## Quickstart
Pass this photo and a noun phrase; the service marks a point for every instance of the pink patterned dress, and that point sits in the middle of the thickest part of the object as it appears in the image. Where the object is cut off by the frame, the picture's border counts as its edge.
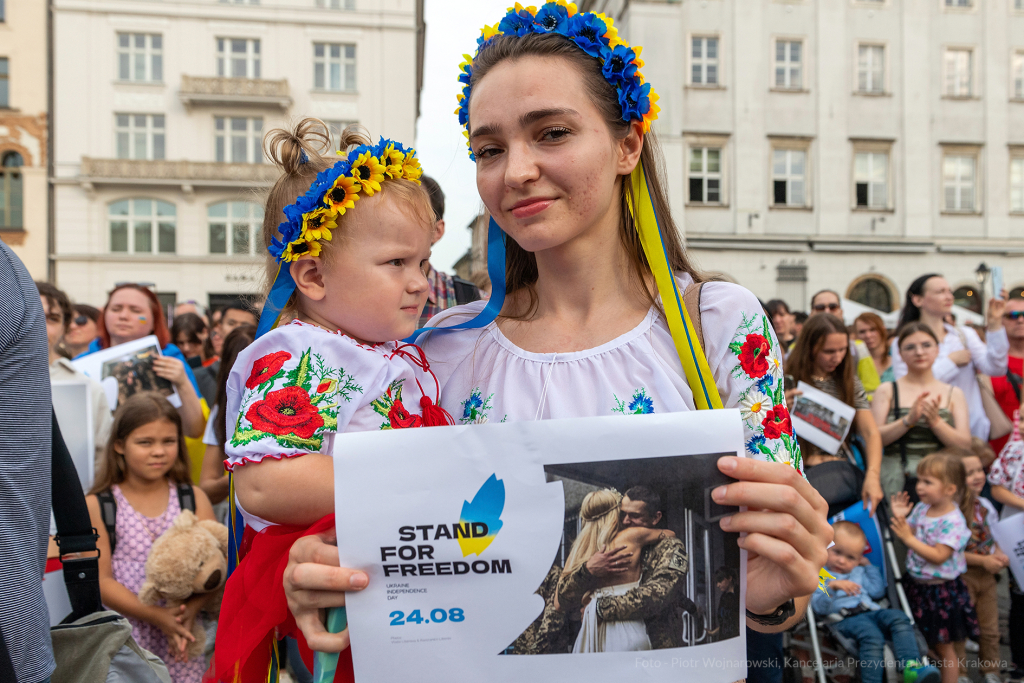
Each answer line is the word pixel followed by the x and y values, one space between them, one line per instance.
pixel 135 536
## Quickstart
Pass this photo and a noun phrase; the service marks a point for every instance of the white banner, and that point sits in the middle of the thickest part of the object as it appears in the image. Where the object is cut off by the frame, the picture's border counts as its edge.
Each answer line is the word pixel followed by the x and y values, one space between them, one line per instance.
pixel 457 528
pixel 821 419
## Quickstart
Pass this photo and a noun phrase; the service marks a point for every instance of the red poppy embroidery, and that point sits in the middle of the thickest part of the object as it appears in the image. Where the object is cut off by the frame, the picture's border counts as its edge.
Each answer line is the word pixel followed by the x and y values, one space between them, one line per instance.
pixel 754 355
pixel 777 422
pixel 401 418
pixel 286 411
pixel 265 368
pixel 326 386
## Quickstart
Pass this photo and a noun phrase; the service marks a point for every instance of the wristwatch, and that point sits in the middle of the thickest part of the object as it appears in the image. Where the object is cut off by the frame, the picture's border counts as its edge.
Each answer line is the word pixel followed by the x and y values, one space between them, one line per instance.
pixel 781 614
pixel 904 421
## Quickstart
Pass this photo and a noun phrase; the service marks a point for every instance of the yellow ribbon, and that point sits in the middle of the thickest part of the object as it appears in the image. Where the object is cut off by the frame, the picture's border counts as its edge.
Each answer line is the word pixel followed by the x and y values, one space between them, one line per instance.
pixel 695 364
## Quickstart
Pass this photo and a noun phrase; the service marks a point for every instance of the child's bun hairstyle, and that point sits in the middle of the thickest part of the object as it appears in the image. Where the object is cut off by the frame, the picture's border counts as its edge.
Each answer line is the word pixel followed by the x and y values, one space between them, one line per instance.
pixel 947 468
pixel 138 411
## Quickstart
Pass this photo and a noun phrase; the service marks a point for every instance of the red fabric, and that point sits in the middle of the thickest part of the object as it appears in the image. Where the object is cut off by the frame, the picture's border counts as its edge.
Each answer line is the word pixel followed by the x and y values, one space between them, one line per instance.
pixel 254 610
pixel 1007 399
pixel 53 564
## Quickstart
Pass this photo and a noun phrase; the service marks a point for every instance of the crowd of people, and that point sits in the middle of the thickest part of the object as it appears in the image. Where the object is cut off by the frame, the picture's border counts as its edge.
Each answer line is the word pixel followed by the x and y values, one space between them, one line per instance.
pixel 931 445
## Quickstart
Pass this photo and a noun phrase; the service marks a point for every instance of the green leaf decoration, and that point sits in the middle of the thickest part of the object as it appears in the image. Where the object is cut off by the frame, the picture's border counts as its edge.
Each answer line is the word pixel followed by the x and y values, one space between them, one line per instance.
pixel 736 347
pixel 767 330
pixel 246 436
pixel 317 399
pixel 330 421
pixel 292 441
pixel 780 394
pixel 299 376
pixel 764 449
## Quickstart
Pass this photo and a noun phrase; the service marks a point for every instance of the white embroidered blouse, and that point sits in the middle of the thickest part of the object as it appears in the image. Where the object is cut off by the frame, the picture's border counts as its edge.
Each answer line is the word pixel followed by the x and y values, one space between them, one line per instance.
pixel 485 377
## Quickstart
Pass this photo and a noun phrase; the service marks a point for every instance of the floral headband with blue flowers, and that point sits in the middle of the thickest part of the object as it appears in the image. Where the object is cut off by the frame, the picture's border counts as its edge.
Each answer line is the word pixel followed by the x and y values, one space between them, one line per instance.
pixel 313 215
pixel 593 33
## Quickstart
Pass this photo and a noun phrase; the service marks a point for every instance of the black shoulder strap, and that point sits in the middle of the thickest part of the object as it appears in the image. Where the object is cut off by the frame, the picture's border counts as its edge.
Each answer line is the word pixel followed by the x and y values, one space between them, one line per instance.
pixel 75 533
pixel 186 496
pixel 465 291
pixel 1015 383
pixel 895 416
pixel 108 510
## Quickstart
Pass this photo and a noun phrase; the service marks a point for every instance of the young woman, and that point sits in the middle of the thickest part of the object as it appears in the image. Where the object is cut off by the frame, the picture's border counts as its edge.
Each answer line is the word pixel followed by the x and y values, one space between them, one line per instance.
pixel 918 414
pixel 870 329
pixel 782 322
pixel 962 354
pixel 821 358
pixel 133 312
pixel 580 332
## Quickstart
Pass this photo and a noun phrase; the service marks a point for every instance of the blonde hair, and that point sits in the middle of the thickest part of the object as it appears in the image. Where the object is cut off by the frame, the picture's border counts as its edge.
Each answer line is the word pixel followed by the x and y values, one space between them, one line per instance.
pixel 600 515
pixel 302 153
pixel 947 468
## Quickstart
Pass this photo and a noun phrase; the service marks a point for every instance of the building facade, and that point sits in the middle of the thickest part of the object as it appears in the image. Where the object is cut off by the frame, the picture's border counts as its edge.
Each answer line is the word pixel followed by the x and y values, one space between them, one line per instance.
pixel 23 132
pixel 843 144
pixel 159 114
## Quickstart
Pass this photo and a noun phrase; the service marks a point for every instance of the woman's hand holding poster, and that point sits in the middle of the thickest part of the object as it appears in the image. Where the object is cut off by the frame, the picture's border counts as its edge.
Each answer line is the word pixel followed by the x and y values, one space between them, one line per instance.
pixel 561 538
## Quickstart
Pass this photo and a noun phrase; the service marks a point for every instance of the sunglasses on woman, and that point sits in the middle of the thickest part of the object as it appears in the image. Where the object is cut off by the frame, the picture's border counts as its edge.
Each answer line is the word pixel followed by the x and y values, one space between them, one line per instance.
pixel 80 320
pixel 821 308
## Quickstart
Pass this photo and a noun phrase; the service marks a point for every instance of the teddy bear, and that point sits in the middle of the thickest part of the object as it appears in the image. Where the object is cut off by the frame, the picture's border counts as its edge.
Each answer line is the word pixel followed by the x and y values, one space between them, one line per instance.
pixel 190 558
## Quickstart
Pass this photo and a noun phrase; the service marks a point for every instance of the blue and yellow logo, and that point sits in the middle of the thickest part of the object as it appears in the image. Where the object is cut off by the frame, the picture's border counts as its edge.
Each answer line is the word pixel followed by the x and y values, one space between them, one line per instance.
pixel 487 506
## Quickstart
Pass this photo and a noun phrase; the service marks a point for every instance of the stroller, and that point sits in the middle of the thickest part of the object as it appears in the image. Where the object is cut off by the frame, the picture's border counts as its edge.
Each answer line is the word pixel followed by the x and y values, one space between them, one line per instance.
pixel 841 651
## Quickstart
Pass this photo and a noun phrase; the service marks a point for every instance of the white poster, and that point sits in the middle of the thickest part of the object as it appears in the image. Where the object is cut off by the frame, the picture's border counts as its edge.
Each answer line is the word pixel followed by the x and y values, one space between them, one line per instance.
pixel 821 419
pixel 465 533
pixel 72 404
pixel 126 369
pixel 1009 534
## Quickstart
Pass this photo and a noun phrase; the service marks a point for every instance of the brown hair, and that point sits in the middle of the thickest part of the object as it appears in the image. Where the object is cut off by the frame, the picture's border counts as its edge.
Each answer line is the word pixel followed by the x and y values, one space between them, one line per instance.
pixel 947 468
pixel 875 321
pixel 234 343
pixel 521 265
pixel 310 136
pixel 851 528
pixel 56 297
pixel 812 337
pixel 138 411
pixel 914 328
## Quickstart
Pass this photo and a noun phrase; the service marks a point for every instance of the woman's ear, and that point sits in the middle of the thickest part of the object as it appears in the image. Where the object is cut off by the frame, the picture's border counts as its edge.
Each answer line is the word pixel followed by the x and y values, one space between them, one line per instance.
pixel 629 149
pixel 308 275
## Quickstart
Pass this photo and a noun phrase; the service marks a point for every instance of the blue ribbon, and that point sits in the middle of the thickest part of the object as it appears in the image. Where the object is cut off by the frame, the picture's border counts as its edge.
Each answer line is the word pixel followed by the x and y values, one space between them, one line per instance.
pixel 282 290
pixel 496 271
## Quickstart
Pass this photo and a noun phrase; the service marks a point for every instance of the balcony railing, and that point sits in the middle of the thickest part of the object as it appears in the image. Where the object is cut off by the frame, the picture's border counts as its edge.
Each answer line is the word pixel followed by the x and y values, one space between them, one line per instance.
pixel 216 91
pixel 184 173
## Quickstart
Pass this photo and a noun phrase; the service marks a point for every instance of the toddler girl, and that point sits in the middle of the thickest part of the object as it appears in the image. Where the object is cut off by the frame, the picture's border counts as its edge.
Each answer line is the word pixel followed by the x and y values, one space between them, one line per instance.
pixel 984 561
pixel 935 534
pixel 145 470
pixel 348 237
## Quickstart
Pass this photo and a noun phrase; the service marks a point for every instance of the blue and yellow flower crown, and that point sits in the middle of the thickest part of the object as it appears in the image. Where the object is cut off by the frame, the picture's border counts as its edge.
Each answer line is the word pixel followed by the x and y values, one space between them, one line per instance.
pixel 335 190
pixel 593 33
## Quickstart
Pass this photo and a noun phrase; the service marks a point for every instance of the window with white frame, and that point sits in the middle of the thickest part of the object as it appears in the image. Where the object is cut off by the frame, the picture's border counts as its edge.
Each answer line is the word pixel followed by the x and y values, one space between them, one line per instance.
pixel 238 139
pixel 235 228
pixel 334 129
pixel 336 4
pixel 704 60
pixel 139 136
pixel 142 226
pixel 871 179
pixel 334 66
pixel 238 57
pixel 1017 70
pixel 959 65
pixel 1017 184
pixel 789 64
pixel 789 177
pixel 140 57
pixel 705 175
pixel 870 68
pixel 959 181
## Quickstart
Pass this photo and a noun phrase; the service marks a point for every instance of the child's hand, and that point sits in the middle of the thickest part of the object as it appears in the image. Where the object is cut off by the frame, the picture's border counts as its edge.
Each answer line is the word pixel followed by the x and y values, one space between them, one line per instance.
pixel 1004 561
pixel 992 564
pixel 900 527
pixel 900 503
pixel 848 587
pixel 864 561
pixel 166 619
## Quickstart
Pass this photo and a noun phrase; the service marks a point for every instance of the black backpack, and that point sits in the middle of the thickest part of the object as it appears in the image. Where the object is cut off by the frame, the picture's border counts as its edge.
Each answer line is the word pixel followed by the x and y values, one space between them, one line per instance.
pixel 108 509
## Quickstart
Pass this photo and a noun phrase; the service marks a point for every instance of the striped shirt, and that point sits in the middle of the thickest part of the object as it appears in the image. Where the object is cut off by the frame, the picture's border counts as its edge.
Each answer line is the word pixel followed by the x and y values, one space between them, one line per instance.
pixel 25 414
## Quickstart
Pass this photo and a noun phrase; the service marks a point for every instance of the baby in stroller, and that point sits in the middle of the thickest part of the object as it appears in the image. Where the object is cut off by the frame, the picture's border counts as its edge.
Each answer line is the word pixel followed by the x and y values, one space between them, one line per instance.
pixel 853 591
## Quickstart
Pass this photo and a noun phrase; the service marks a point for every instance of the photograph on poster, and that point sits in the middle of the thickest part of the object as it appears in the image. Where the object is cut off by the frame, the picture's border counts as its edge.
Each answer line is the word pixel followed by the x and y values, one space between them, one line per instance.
pixel 127 369
pixel 678 581
pixel 820 418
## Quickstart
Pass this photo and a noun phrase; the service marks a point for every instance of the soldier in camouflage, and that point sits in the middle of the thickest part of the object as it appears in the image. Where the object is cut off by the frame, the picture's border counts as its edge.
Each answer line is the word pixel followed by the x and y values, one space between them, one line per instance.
pixel 659 598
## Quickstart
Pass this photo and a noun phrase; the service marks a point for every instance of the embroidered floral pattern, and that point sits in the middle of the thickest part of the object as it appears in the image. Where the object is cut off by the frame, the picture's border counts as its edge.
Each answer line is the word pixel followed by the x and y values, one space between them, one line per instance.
pixel 285 406
pixel 639 404
pixel 476 409
pixel 390 407
pixel 762 402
